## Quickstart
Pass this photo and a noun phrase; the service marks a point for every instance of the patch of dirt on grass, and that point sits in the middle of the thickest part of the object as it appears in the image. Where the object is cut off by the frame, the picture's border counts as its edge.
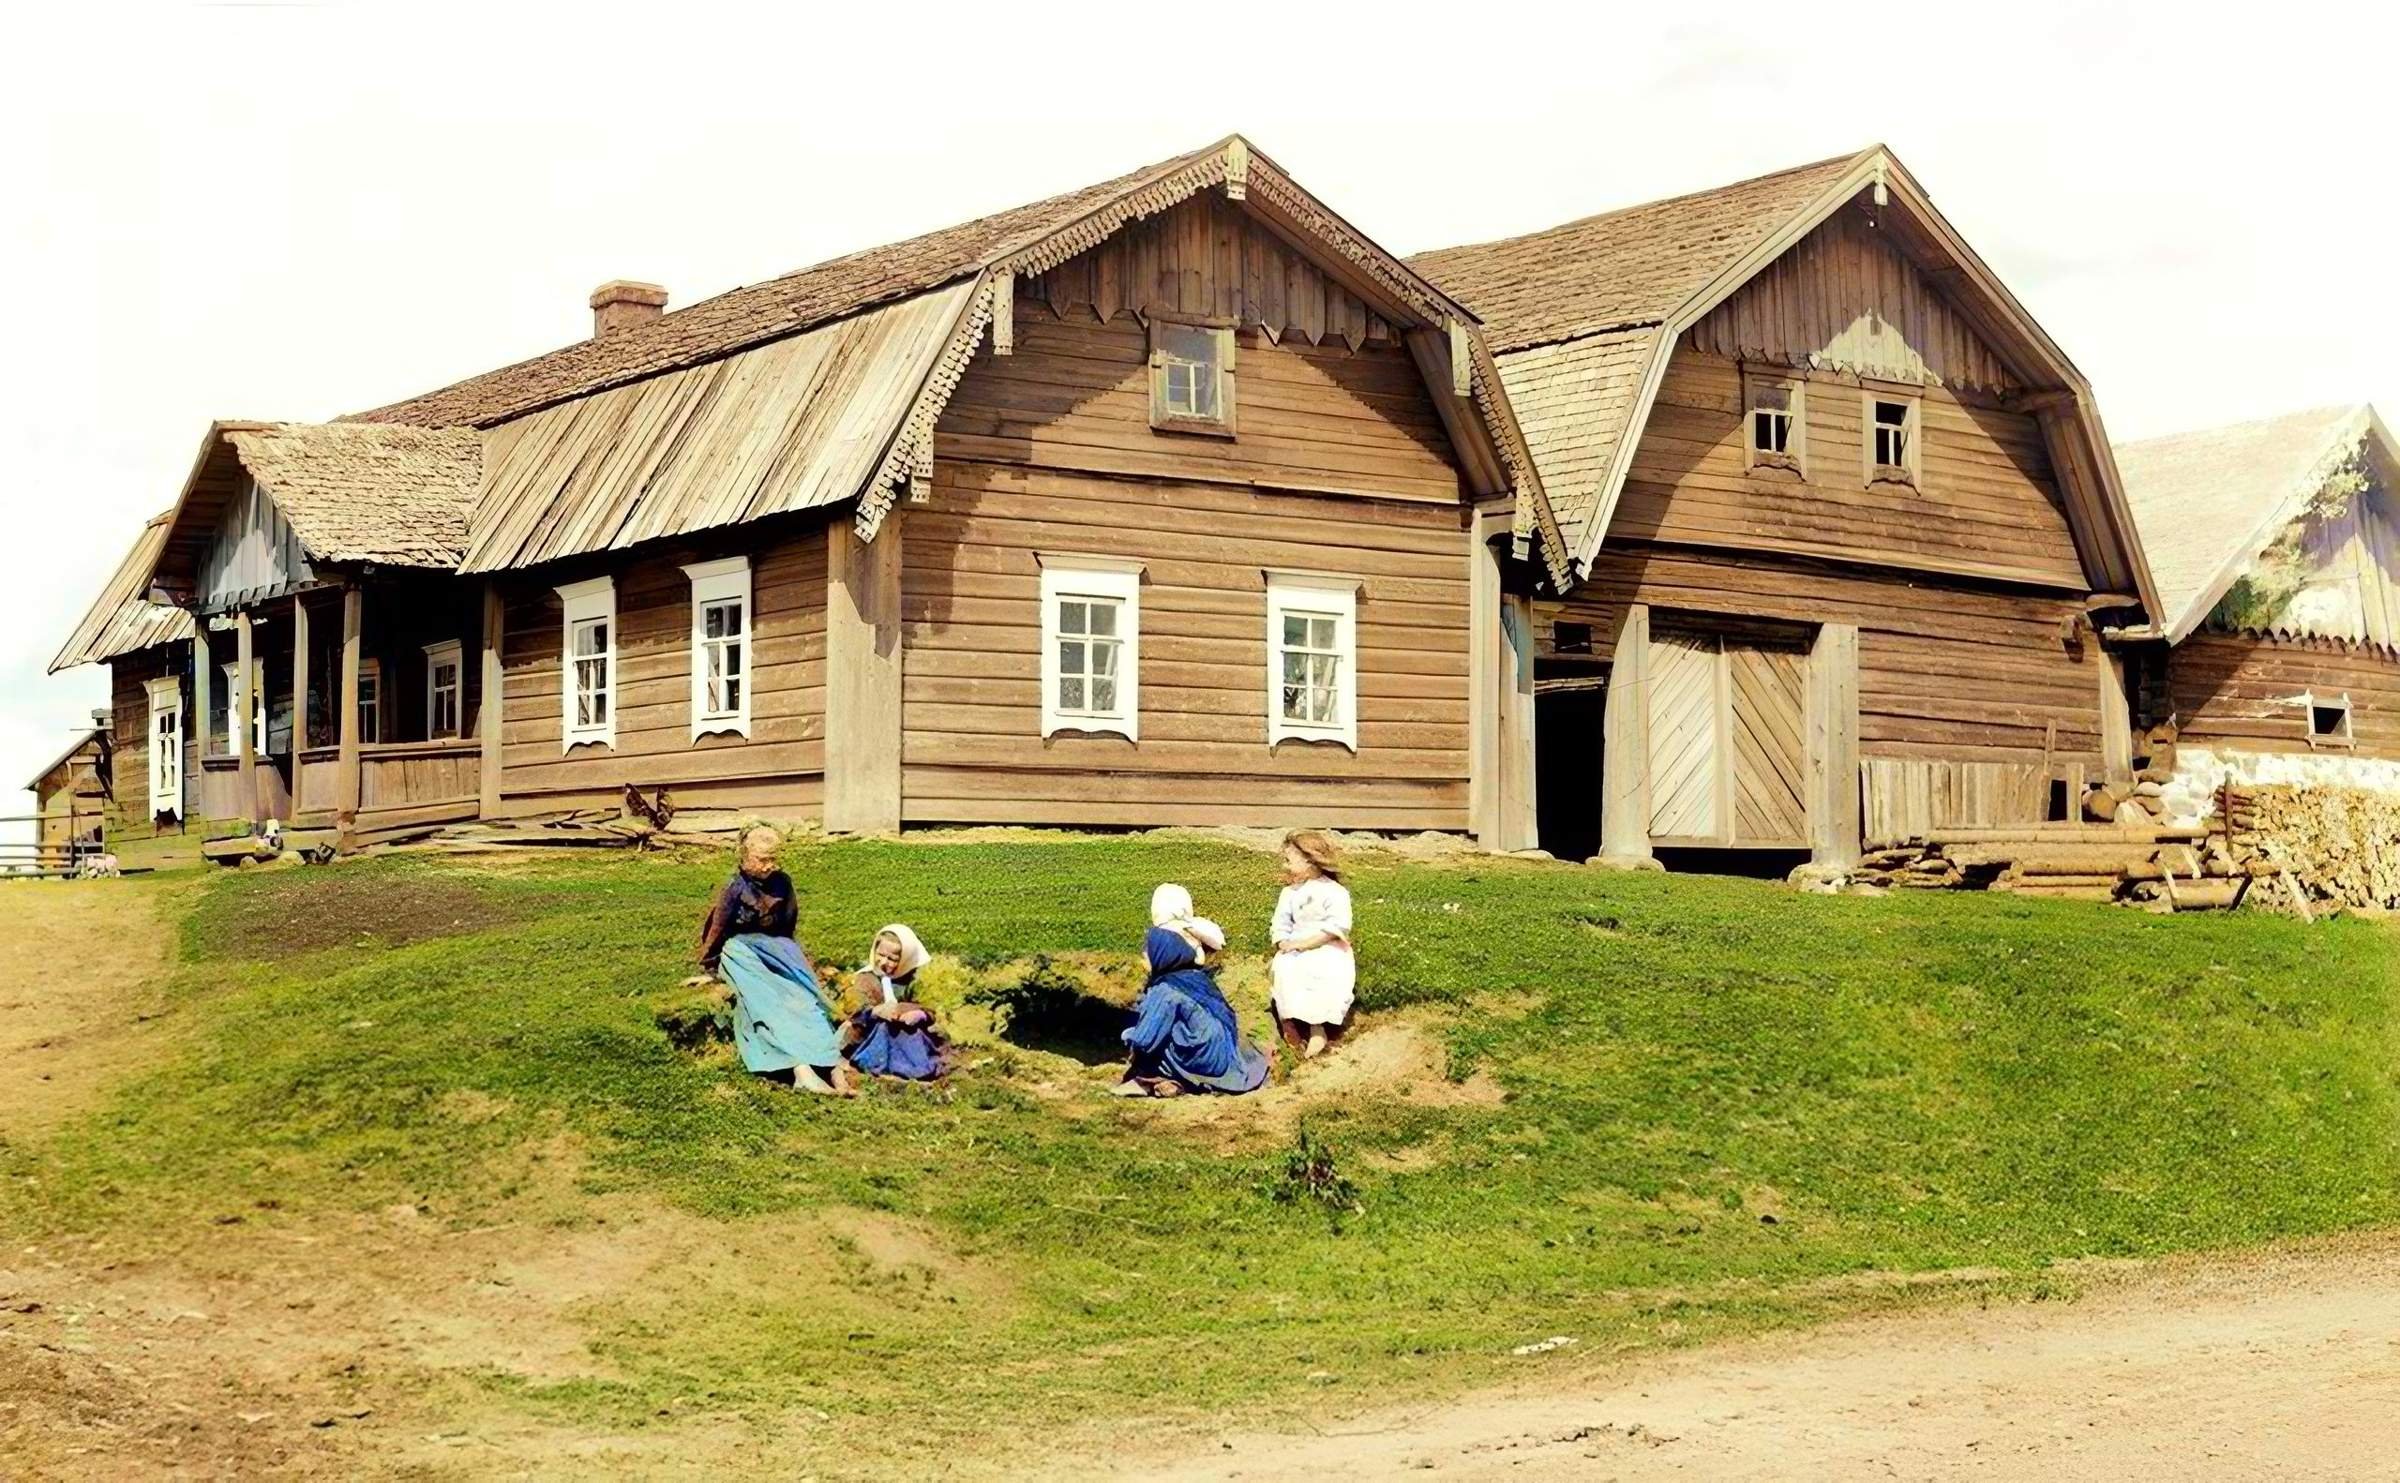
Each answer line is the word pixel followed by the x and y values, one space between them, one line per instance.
pixel 1399 1057
pixel 81 967
pixel 310 910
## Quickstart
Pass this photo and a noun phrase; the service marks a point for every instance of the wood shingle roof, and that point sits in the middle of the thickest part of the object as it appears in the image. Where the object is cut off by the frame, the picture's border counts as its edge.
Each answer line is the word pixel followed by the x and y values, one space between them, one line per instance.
pixel 121 621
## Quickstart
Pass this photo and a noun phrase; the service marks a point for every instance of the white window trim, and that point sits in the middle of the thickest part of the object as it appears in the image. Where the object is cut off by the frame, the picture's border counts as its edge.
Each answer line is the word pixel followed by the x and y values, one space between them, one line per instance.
pixel 1912 433
pixel 1073 575
pixel 2346 737
pixel 166 696
pixel 231 669
pixel 1795 453
pixel 371 669
pixel 1227 346
pixel 1313 592
pixel 452 653
pixel 715 582
pixel 584 602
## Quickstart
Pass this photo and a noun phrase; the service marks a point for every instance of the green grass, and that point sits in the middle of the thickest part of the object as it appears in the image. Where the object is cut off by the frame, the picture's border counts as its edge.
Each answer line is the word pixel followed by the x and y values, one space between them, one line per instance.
pixel 1719 1093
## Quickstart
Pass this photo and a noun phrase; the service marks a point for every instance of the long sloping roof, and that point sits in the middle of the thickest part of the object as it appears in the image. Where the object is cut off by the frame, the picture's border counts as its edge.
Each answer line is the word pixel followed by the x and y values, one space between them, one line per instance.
pixel 759 312
pixel 85 738
pixel 120 621
pixel 1585 317
pixel 2210 501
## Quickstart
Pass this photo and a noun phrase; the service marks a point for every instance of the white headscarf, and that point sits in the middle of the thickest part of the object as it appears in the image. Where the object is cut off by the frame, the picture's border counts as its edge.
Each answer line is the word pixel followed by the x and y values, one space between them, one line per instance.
pixel 1171 907
pixel 912 952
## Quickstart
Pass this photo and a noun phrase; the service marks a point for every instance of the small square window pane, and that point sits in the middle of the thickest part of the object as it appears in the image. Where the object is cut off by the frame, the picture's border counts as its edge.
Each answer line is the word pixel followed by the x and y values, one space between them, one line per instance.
pixel 1295 630
pixel 1071 656
pixel 1104 694
pixel 1104 659
pixel 1320 633
pixel 1070 693
pixel 1104 618
pixel 1295 704
pixel 733 692
pixel 1295 667
pixel 1073 617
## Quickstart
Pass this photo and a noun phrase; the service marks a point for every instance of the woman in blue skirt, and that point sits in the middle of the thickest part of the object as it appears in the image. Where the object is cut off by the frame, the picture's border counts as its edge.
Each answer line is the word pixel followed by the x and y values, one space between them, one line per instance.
pixel 781 1023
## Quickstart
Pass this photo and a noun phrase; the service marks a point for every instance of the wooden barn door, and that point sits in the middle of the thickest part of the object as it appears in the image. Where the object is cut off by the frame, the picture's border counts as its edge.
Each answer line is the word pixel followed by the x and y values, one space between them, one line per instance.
pixel 1728 739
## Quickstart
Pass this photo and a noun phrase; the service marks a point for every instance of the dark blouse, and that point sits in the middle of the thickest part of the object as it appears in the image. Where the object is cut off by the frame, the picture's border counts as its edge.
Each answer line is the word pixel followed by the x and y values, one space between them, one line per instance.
pixel 744 906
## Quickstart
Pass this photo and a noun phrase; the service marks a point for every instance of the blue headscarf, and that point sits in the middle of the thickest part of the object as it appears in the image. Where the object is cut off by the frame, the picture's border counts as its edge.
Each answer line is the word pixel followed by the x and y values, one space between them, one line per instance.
pixel 1174 963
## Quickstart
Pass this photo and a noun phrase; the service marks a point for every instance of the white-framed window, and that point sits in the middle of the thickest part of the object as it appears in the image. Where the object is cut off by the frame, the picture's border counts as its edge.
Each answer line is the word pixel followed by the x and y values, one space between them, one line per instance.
pixel 588 663
pixel 1091 644
pixel 370 700
pixel 166 746
pixel 1312 658
pixel 2328 720
pixel 720 645
pixel 1777 429
pixel 258 707
pixel 1191 376
pixel 442 690
pixel 1888 427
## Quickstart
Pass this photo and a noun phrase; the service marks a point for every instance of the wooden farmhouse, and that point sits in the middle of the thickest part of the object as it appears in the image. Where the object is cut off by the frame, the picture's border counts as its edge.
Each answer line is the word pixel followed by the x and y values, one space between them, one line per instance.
pixel 1842 521
pixel 71 798
pixel 147 648
pixel 2277 550
pixel 1170 500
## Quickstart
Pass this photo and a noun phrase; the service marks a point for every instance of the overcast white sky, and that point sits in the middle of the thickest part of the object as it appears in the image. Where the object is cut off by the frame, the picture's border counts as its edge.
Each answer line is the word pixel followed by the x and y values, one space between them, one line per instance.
pixel 295 210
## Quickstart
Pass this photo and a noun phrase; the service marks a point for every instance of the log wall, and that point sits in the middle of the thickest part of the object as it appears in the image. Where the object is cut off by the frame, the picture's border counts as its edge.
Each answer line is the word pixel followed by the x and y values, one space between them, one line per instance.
pixel 777 770
pixel 2237 691
pixel 129 712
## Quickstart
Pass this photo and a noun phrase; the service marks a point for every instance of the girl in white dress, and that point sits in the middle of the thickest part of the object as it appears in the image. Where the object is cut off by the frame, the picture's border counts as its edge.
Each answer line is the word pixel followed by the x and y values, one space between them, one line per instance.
pixel 1315 974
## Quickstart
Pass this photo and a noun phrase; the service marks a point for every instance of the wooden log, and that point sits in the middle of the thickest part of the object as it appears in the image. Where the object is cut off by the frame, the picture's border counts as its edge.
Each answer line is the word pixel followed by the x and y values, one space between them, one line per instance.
pixel 2101 803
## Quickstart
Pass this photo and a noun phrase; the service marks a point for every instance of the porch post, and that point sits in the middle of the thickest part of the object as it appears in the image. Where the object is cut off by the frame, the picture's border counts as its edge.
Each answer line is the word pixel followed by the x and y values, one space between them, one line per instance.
pixel 299 690
pixel 245 699
pixel 489 712
pixel 2116 721
pixel 204 660
pixel 1483 687
pixel 1833 806
pixel 1625 733
pixel 345 785
pixel 1519 827
pixel 862 679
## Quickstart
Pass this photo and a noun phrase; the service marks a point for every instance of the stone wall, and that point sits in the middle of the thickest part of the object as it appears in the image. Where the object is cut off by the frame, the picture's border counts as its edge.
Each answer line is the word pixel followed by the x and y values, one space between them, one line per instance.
pixel 2199 771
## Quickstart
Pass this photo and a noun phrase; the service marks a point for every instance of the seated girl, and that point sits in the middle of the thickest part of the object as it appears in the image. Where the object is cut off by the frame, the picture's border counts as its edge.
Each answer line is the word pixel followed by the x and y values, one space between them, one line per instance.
pixel 1314 973
pixel 889 1033
pixel 1171 908
pixel 1184 1038
pixel 781 1023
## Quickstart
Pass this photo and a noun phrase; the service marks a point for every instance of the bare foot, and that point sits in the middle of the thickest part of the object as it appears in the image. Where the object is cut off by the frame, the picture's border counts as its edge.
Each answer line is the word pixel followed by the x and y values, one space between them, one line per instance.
pixel 806 1079
pixel 1316 1044
pixel 1166 1089
pixel 1129 1088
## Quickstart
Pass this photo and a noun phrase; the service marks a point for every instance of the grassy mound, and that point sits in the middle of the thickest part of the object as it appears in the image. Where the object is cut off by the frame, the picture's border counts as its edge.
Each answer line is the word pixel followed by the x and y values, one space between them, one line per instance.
pixel 1722 1101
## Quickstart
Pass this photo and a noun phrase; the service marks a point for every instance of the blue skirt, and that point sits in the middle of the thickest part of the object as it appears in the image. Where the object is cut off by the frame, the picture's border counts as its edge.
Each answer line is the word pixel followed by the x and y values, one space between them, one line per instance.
pixel 913 1053
pixel 779 1017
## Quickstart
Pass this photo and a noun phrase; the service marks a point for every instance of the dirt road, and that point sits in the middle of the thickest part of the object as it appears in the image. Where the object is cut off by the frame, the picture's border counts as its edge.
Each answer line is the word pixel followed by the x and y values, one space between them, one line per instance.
pixel 2282 1365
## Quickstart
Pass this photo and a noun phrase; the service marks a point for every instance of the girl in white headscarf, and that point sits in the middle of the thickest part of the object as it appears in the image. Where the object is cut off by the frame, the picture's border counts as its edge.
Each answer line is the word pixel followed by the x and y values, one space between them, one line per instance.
pixel 1171 908
pixel 890 1033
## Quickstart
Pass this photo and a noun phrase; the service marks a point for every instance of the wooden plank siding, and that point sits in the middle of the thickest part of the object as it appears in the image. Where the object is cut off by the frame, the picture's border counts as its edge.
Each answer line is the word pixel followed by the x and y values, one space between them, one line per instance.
pixel 1946 670
pixel 777 770
pixel 129 721
pixel 1987 507
pixel 1340 466
pixel 2238 691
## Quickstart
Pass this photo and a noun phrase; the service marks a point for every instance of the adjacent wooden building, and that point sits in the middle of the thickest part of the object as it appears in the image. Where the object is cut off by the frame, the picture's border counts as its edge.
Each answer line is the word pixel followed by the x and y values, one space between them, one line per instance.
pixel 2277 549
pixel 147 648
pixel 1843 520
pixel 1169 500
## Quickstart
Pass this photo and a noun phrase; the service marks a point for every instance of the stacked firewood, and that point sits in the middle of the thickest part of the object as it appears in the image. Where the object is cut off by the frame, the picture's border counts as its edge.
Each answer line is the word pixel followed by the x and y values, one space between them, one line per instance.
pixel 2337 845
pixel 2139 800
pixel 2175 869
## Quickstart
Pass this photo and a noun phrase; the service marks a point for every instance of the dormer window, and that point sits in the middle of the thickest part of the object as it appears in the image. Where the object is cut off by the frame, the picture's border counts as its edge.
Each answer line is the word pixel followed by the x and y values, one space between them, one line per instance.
pixel 1778 431
pixel 1891 438
pixel 1191 376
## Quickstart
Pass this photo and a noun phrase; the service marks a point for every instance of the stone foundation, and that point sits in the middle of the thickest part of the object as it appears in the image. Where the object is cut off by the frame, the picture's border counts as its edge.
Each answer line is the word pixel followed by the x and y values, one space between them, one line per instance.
pixel 2200 771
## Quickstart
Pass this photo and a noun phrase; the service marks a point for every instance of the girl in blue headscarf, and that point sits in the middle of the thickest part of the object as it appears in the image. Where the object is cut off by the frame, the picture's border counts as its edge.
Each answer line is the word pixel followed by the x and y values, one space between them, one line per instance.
pixel 1183 1037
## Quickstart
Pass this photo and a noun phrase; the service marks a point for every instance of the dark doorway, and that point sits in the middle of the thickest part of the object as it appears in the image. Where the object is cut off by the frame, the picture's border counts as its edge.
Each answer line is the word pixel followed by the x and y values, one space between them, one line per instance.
pixel 1569 701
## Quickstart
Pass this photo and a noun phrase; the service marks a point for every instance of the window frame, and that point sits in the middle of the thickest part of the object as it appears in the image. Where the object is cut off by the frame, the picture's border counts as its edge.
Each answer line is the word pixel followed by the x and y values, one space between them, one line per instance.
pixel 581 603
pixel 1315 594
pixel 1912 433
pixel 1794 456
pixel 1162 419
pixel 453 653
pixel 166 698
pixel 2346 737
pixel 1067 575
pixel 717 584
pixel 258 702
pixel 370 702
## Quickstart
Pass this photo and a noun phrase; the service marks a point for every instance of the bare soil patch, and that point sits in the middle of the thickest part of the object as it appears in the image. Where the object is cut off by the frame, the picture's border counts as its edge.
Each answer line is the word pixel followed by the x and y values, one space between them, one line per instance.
pixel 81 963
pixel 329 908
pixel 2279 1364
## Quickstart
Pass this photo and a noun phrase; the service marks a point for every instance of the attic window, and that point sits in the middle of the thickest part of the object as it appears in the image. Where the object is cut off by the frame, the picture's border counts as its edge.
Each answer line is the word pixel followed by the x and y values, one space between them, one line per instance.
pixel 1191 376
pixel 1777 428
pixel 1891 441
pixel 2328 720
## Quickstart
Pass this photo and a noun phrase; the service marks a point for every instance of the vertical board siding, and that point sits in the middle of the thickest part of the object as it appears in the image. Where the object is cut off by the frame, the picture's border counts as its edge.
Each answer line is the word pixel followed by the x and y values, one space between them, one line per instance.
pixel 1844 298
pixel 1769 715
pixel 1684 741
pixel 776 770
pixel 252 554
pixel 2242 690
pixel 1988 505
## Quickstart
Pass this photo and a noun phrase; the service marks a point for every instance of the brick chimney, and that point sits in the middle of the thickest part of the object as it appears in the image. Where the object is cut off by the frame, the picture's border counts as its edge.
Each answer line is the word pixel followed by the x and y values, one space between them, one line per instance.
pixel 620 304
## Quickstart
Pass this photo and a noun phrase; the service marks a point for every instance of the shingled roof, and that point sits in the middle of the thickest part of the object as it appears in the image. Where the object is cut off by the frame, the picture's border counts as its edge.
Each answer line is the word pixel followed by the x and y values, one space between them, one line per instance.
pixel 120 621
pixel 1622 269
pixel 2210 501
pixel 1584 318
pixel 760 312
pixel 363 492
